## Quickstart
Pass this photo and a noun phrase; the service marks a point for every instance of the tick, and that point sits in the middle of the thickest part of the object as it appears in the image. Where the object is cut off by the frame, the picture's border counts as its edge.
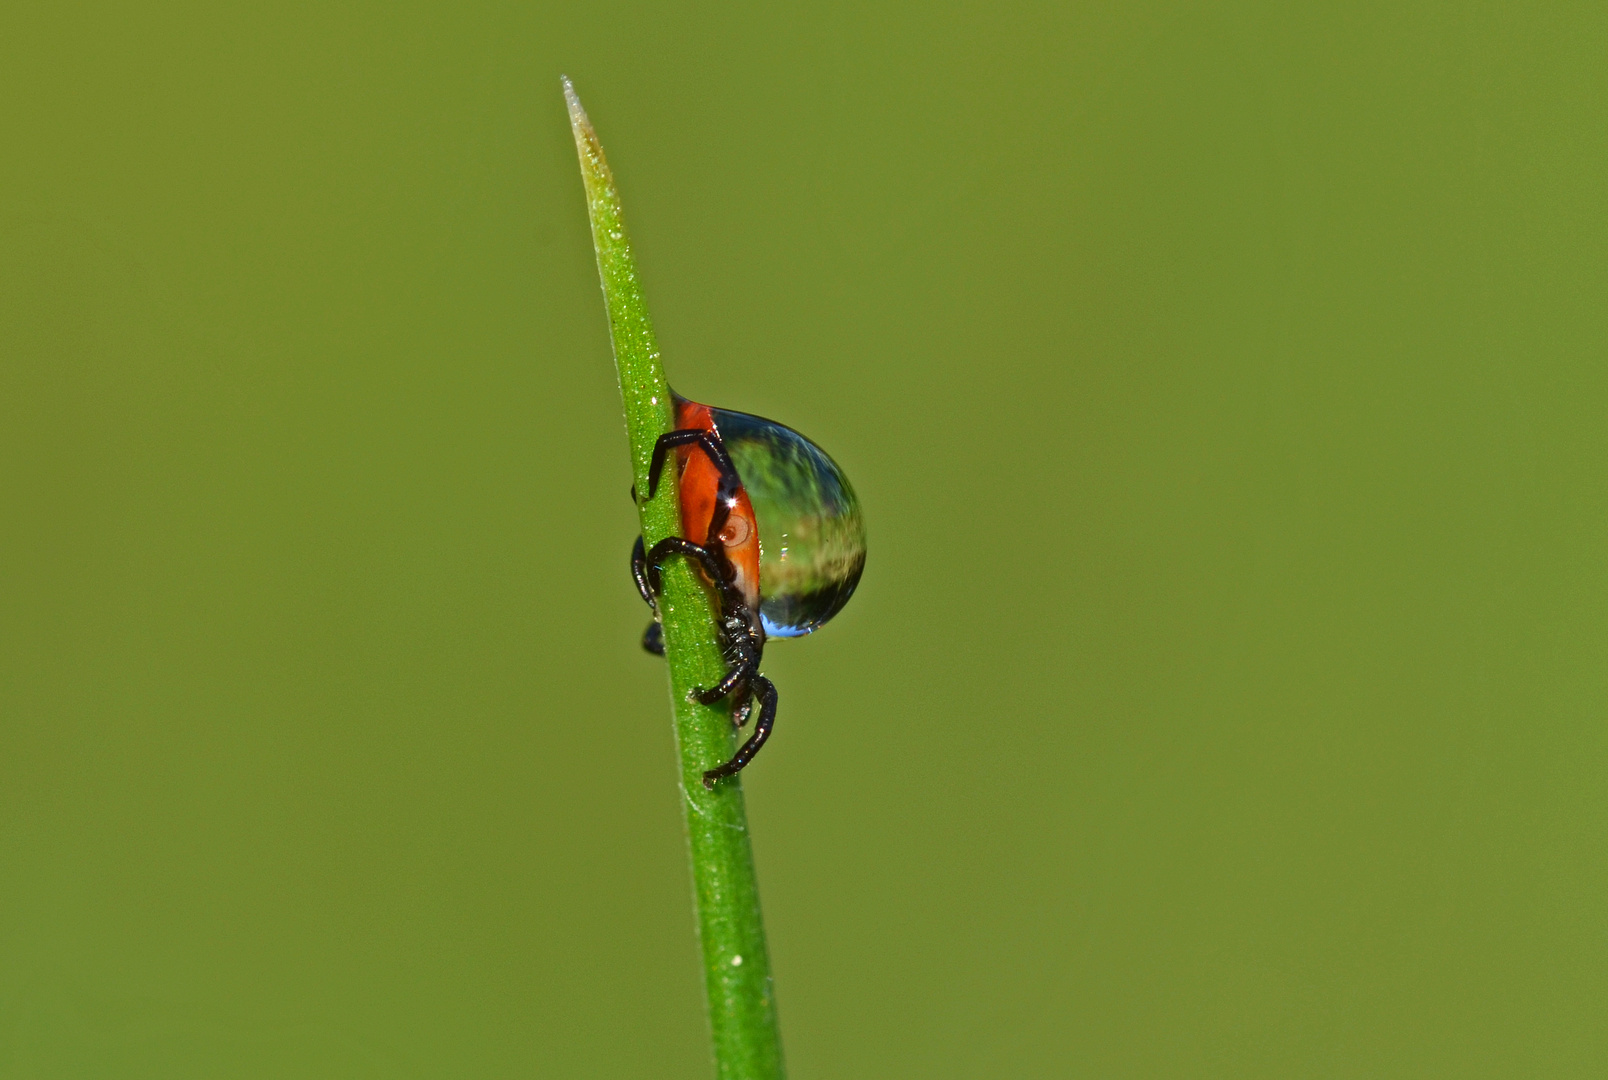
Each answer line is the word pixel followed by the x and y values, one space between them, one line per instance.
pixel 780 541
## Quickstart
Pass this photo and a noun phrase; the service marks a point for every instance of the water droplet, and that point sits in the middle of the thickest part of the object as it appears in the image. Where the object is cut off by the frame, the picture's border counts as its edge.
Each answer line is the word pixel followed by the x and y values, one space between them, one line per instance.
pixel 736 961
pixel 811 535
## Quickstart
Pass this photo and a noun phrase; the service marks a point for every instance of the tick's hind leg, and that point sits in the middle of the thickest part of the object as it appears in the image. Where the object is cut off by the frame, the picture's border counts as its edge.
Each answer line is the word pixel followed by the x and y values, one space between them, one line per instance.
pixel 739 684
pixel 762 730
pixel 735 679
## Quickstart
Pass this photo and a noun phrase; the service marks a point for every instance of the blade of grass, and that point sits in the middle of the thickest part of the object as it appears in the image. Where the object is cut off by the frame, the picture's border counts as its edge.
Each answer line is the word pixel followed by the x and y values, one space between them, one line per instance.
pixel 742 1001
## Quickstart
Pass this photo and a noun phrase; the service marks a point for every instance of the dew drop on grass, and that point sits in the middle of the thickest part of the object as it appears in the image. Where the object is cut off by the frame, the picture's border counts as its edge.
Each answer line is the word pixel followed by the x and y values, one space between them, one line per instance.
pixel 811 534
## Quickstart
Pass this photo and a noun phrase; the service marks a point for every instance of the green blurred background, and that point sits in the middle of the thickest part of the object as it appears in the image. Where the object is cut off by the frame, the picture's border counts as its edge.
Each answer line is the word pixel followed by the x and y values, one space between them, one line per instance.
pixel 1226 391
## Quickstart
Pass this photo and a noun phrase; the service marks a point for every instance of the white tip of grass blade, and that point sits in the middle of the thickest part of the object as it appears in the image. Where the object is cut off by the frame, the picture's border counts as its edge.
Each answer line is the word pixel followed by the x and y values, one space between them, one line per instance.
pixel 594 167
pixel 577 114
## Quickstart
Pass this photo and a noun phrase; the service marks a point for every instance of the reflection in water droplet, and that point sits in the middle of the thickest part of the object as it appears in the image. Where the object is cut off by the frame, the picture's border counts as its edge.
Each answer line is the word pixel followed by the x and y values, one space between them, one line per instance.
pixel 811 534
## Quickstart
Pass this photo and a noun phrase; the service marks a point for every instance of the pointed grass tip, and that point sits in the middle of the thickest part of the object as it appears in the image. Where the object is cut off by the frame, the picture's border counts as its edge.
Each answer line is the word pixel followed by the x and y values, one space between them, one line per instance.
pixel 594 166
pixel 577 113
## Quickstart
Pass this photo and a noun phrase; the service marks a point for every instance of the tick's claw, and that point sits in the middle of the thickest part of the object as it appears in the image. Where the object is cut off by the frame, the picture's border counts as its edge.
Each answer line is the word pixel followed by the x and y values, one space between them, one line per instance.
pixel 709 779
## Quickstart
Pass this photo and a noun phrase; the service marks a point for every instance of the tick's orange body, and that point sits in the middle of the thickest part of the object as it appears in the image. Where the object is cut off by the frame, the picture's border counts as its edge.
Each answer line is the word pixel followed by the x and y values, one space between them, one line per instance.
pixel 699 482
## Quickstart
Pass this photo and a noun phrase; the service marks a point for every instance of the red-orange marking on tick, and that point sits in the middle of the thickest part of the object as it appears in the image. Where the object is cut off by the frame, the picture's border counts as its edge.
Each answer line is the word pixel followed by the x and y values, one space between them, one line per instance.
pixel 699 481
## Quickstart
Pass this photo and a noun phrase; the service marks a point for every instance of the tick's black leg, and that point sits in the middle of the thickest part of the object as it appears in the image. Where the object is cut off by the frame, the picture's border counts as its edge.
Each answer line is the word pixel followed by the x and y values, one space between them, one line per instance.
pixel 713 562
pixel 639 574
pixel 645 568
pixel 653 636
pixel 738 676
pixel 735 635
pixel 709 440
pixel 744 655
pixel 661 448
pixel 715 566
pixel 762 730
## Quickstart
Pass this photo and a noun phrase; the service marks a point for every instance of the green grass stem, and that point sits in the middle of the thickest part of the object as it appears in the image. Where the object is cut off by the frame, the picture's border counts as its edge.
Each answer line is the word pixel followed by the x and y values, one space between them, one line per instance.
pixel 742 1000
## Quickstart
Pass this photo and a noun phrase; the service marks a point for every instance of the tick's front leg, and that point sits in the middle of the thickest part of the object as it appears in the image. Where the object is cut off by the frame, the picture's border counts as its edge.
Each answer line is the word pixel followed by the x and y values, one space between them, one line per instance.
pixel 711 444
